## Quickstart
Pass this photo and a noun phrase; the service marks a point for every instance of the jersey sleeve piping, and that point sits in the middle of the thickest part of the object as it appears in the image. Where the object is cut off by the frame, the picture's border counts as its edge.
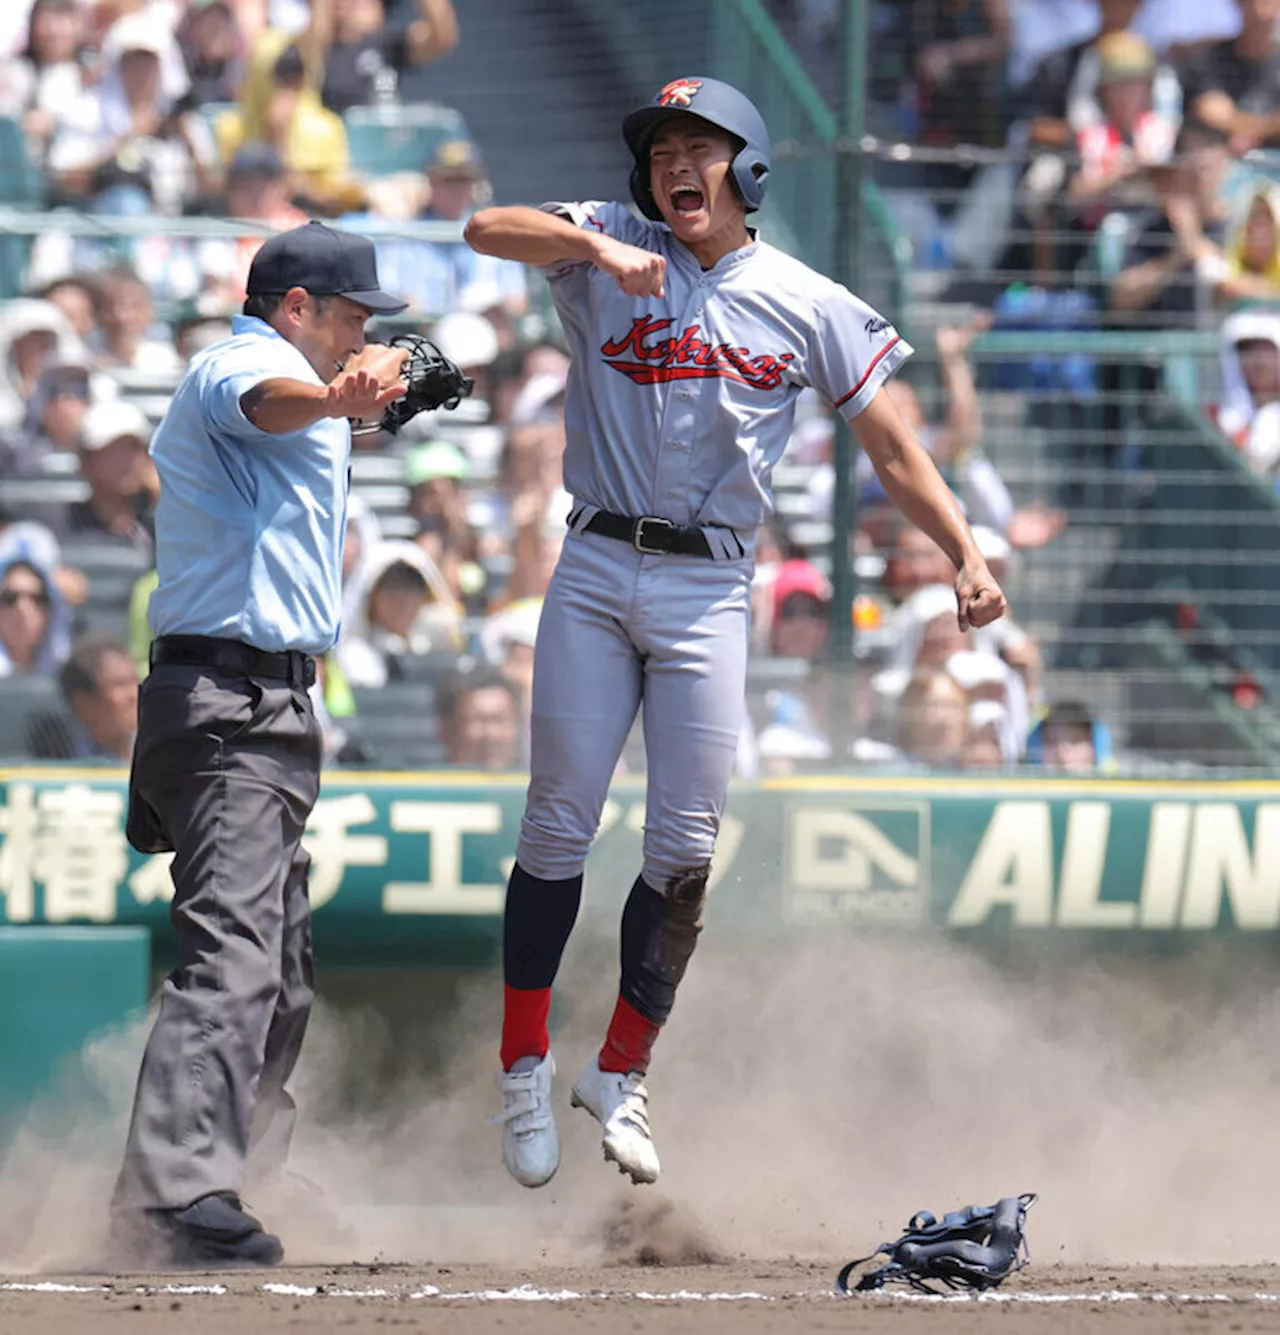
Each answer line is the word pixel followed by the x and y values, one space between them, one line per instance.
pixel 883 363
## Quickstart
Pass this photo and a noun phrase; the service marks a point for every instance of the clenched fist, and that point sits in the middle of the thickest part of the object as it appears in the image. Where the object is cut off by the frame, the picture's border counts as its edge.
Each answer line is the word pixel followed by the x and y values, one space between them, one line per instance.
pixel 640 273
pixel 979 600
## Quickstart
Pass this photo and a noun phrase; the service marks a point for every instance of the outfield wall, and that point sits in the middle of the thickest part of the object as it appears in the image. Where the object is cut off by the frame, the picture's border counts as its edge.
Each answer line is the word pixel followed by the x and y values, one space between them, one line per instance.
pixel 409 868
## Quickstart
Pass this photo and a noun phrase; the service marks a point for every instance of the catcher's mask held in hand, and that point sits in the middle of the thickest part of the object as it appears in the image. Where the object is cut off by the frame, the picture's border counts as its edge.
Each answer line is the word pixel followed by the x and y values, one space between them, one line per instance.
pixel 432 381
pixel 974 1248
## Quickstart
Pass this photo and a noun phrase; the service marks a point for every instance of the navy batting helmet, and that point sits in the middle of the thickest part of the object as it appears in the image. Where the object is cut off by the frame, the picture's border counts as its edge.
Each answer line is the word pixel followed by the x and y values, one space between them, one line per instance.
pixel 723 106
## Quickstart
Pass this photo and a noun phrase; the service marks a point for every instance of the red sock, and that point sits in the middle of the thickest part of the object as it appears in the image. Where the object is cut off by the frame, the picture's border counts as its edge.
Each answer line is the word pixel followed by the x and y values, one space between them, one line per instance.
pixel 524 1023
pixel 629 1041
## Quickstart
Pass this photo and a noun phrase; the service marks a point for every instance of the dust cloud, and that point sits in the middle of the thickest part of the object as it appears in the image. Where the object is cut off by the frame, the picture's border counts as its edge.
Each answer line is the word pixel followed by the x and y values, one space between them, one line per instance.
pixel 808 1096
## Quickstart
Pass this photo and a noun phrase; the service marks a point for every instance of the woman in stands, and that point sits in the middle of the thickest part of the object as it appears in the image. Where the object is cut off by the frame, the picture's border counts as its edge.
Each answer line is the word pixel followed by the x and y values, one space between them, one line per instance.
pixel 38 86
pixel 35 630
pixel 280 105
pixel 1252 270
pixel 396 606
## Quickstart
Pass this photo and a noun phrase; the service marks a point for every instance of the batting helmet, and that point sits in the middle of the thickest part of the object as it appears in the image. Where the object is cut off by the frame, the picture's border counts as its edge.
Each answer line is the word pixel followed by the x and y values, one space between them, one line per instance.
pixel 721 105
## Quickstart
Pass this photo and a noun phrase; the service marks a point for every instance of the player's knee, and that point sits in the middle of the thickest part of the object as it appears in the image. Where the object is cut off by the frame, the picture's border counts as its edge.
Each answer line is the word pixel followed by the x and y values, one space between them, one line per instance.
pixel 687 887
pixel 660 930
pixel 552 854
pixel 677 869
pixel 556 835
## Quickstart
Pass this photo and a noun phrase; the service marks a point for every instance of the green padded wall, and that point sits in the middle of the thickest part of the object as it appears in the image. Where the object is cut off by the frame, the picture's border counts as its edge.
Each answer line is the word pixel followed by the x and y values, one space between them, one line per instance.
pixel 58 987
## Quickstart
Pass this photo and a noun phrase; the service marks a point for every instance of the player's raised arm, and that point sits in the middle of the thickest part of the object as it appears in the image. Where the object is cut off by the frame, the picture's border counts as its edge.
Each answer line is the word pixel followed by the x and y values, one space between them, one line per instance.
pixel 852 352
pixel 916 487
pixel 534 236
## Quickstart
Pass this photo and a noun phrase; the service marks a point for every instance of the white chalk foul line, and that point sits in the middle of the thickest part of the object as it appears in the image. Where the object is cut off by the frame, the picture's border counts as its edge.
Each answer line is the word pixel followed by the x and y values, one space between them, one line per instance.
pixel 528 1293
pixel 524 1293
pixel 1104 1296
pixel 47 1286
pixel 213 1290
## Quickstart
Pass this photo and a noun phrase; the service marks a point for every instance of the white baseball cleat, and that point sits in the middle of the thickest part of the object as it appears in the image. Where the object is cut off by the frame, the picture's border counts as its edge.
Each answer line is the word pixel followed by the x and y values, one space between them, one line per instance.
pixel 530 1144
pixel 620 1103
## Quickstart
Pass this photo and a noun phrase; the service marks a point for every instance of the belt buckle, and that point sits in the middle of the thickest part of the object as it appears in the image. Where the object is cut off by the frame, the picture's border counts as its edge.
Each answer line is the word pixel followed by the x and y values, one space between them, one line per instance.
pixel 637 534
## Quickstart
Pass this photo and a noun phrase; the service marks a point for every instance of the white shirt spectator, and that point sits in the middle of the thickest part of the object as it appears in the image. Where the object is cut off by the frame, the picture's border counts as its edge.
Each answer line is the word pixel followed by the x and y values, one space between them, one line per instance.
pixel 15 15
pixel 52 89
pixel 33 334
pixel 102 117
pixel 365 648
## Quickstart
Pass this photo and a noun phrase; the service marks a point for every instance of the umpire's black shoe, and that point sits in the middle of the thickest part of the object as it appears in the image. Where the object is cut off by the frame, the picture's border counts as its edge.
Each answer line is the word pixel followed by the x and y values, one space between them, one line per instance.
pixel 212 1233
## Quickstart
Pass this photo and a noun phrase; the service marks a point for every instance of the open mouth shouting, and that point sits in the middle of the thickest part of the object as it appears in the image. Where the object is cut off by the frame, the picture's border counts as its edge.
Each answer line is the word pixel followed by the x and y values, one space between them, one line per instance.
pixel 687 200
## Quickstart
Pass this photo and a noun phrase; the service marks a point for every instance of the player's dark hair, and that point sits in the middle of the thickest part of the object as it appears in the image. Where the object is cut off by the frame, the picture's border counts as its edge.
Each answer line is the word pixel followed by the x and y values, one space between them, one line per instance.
pixel 79 674
pixel 480 678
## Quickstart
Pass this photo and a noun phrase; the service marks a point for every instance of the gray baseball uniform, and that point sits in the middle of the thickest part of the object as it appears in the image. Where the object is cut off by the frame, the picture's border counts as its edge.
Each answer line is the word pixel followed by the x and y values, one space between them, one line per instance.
pixel 677 408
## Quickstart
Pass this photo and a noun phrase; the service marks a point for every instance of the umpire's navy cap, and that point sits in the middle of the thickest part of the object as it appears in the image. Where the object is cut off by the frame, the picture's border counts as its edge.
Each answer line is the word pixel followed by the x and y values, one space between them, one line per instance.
pixel 327 263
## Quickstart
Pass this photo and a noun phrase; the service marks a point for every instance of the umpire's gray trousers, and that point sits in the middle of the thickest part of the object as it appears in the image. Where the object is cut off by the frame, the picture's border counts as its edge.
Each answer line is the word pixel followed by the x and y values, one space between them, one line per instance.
pixel 226 769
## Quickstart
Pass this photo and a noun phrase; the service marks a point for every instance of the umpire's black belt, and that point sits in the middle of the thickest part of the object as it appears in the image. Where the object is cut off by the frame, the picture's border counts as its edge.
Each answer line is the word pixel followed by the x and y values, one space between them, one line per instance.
pixel 652 536
pixel 289 665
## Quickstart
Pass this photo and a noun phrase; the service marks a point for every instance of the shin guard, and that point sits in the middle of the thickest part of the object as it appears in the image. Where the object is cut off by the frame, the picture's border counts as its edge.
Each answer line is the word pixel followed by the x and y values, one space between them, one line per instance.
pixel 659 934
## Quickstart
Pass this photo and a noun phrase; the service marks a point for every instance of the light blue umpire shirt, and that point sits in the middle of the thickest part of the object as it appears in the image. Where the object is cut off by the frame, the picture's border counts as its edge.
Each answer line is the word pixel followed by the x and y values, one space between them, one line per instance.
pixel 250 526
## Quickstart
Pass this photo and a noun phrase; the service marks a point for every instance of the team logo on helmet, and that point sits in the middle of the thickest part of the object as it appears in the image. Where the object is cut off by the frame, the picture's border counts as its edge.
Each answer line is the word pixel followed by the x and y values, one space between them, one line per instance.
pixel 679 92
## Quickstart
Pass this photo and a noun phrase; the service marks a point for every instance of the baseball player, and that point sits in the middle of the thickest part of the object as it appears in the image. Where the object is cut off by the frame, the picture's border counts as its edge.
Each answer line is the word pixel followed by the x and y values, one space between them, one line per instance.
pixel 691 339
pixel 252 455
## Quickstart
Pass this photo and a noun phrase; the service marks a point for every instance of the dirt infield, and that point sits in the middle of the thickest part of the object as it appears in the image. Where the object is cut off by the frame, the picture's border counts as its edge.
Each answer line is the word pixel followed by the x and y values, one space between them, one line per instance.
pixel 803 1112
pixel 745 1298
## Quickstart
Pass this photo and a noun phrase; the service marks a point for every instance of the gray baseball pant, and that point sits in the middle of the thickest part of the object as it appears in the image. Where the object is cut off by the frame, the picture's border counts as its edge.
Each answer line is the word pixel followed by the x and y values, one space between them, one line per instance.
pixel 227 766
pixel 618 630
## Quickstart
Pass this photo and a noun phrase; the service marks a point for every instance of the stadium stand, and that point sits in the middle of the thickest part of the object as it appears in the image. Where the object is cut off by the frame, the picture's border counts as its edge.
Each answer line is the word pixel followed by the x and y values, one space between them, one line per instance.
pixel 1084 252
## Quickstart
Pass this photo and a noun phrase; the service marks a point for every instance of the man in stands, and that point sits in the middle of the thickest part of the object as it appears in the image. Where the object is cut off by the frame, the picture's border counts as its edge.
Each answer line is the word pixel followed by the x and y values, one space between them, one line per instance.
pixel 480 722
pixel 123 488
pixel 1234 86
pixel 100 687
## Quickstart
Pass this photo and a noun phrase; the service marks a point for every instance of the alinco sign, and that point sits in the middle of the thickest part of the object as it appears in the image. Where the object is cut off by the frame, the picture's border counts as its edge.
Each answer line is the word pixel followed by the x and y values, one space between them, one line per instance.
pixel 1118 861
pixel 414 867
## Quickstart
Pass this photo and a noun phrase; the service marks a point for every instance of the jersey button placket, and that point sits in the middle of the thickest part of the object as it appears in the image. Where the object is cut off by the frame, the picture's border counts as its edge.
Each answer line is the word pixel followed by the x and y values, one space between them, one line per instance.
pixel 675 452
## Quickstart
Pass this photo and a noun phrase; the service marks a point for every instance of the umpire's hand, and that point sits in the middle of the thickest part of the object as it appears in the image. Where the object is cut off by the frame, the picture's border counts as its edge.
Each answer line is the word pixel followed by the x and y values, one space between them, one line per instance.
pixel 368 382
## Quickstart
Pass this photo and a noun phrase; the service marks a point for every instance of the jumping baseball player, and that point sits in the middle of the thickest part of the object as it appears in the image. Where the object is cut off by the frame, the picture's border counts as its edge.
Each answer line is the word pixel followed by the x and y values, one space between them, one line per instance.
pixel 691 339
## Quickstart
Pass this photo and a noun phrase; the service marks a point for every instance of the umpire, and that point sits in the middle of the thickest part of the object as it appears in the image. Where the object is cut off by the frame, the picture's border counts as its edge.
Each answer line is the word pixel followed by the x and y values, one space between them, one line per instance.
pixel 253 462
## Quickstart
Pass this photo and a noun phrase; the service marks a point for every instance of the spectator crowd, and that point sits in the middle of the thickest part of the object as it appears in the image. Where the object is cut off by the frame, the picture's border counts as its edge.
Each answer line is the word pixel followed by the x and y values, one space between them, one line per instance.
pixel 246 110
pixel 1133 150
